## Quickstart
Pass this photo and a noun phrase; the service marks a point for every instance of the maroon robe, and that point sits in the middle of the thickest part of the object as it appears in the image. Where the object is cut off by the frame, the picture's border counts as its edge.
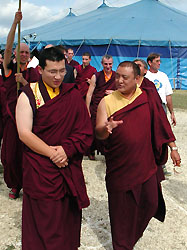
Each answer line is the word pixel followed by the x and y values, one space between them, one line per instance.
pixel 82 75
pixel 2 100
pixel 11 151
pixel 98 94
pixel 72 63
pixel 64 121
pixel 147 84
pixel 134 149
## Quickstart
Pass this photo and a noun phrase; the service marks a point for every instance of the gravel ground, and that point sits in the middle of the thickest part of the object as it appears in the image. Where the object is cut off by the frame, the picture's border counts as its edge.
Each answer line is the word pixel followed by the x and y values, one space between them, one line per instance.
pixel 170 235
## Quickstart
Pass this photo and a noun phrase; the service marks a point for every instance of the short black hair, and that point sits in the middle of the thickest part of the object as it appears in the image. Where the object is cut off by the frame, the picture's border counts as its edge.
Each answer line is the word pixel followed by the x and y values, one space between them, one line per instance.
pixel 133 65
pixel 52 54
pixel 86 54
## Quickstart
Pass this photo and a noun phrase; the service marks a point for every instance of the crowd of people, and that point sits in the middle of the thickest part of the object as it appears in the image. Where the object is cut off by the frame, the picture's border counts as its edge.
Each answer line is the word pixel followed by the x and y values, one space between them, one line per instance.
pixel 63 111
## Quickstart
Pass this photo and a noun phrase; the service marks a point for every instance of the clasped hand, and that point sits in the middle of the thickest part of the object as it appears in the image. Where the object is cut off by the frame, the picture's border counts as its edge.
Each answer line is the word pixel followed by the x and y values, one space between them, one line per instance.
pixel 59 156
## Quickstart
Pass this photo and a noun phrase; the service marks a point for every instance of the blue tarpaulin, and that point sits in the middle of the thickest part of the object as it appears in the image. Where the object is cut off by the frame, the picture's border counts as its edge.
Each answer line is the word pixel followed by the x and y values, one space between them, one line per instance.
pixel 125 33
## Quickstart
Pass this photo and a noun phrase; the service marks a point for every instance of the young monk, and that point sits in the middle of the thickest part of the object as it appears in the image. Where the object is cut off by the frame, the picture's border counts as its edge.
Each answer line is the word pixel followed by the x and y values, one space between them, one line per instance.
pixel 138 134
pixel 53 123
pixel 84 74
pixel 102 83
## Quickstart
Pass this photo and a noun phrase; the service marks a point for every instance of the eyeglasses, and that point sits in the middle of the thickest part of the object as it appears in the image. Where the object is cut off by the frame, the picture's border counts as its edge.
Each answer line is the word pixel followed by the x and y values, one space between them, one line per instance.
pixel 55 72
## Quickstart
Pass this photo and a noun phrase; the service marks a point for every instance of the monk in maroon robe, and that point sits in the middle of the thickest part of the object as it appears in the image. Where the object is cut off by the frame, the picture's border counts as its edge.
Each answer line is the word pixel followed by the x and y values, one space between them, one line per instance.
pixel 69 58
pixel 54 125
pixel 2 91
pixel 102 83
pixel 137 135
pixel 84 74
pixel 11 152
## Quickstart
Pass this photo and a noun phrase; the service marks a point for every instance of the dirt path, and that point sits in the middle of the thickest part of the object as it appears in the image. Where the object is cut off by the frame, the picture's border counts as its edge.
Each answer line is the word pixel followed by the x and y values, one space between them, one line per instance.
pixel 170 235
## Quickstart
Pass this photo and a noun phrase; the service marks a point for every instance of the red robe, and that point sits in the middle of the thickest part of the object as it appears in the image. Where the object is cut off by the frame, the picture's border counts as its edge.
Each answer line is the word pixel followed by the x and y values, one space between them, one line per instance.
pixel 11 152
pixel 2 100
pixel 82 75
pixel 98 94
pixel 147 84
pixel 64 121
pixel 72 63
pixel 134 149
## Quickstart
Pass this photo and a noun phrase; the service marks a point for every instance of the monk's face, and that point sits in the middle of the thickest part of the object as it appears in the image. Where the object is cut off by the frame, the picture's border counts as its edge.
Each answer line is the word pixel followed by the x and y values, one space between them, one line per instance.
pixel 86 60
pixel 155 64
pixel 125 80
pixel 70 54
pixel 24 53
pixel 107 65
pixel 53 73
pixel 143 71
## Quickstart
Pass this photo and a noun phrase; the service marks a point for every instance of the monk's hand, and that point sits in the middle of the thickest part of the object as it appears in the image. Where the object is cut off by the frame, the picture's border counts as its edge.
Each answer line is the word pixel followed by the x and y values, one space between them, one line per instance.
pixel 19 78
pixel 111 124
pixel 18 17
pixel 88 80
pixel 59 157
pixel 109 91
pixel 62 164
pixel 175 158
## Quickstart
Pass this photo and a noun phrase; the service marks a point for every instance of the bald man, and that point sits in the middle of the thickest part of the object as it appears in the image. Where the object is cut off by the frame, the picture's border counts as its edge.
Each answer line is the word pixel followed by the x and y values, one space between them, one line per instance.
pixel 11 152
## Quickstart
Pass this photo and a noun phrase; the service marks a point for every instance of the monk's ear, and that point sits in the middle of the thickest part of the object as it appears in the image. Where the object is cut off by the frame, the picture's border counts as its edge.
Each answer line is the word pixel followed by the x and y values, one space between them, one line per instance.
pixel 40 70
pixel 145 71
pixel 137 78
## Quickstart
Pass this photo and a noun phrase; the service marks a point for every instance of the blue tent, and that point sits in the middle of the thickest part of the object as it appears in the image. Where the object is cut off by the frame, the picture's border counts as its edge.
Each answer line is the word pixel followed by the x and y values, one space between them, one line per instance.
pixel 125 33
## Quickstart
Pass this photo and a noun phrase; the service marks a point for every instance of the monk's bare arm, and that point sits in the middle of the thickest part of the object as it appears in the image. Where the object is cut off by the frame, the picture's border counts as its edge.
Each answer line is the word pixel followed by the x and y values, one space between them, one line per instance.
pixel 24 121
pixel 90 92
pixel 10 41
pixel 101 120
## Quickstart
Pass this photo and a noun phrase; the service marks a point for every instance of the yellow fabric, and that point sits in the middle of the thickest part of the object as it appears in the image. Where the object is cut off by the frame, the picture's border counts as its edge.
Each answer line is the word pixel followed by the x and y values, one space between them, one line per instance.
pixel 117 101
pixel 52 92
pixel 37 94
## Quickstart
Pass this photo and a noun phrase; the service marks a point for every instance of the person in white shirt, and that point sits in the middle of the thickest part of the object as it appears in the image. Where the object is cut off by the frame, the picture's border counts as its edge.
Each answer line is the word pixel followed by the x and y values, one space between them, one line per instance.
pixel 162 84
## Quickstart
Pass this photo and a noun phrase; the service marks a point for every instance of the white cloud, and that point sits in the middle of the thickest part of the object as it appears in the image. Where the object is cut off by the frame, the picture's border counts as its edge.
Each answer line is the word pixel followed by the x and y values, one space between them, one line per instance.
pixel 33 15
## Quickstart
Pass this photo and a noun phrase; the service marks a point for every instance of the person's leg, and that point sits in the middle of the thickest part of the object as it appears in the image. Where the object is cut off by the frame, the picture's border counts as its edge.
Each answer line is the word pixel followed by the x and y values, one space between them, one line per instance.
pixel 130 213
pixel 50 224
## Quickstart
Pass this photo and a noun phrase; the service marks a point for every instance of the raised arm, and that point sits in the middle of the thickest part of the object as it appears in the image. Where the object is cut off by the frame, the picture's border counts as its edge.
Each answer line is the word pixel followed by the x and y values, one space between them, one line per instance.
pixel 90 92
pixel 10 41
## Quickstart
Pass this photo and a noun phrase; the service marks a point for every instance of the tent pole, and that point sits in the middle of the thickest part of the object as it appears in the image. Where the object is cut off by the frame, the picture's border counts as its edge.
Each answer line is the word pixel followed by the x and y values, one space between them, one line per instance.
pixel 18 48
pixel 138 49
pixel 171 64
pixel 79 47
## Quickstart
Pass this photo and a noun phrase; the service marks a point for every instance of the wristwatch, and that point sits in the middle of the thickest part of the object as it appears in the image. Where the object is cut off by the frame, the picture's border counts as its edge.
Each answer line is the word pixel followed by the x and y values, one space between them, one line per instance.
pixel 174 148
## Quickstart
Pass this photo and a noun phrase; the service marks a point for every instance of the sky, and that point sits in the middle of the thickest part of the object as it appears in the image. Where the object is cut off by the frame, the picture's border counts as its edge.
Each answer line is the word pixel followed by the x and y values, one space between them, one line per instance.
pixel 39 12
